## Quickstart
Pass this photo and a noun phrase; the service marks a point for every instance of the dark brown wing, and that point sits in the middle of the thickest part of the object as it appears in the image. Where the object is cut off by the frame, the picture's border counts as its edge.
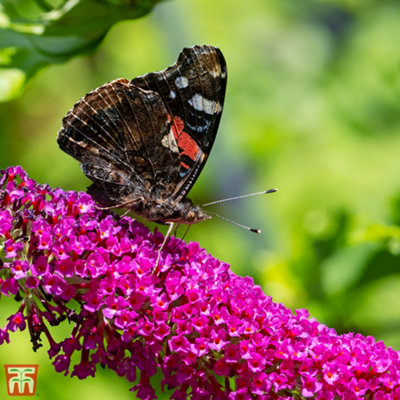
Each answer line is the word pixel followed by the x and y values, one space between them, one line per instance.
pixel 122 136
pixel 193 91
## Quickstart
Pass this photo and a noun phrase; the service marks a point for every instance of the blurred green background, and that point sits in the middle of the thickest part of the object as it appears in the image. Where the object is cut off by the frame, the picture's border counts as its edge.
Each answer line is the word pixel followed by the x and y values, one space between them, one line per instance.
pixel 312 107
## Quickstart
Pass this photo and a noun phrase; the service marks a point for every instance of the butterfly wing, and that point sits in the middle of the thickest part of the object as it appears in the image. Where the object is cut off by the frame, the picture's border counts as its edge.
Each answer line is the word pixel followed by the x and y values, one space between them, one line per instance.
pixel 193 91
pixel 149 138
pixel 122 136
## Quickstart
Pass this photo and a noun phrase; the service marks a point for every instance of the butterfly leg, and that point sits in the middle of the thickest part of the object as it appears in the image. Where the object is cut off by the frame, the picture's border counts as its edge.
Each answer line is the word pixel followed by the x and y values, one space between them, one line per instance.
pixel 121 205
pixel 125 213
pixel 170 227
pixel 176 229
pixel 182 238
pixel 110 208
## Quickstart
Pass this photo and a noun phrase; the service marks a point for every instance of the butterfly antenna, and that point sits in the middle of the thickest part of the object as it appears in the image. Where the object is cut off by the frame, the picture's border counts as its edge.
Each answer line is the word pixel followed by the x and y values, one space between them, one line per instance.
pixel 239 197
pixel 233 222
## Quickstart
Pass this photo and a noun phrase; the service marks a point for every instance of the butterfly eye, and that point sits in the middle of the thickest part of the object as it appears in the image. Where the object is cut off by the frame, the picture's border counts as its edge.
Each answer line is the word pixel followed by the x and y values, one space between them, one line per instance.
pixel 191 216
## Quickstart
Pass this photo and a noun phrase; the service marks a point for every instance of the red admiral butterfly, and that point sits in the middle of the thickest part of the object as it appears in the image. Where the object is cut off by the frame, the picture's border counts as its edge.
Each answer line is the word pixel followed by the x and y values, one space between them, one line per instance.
pixel 144 142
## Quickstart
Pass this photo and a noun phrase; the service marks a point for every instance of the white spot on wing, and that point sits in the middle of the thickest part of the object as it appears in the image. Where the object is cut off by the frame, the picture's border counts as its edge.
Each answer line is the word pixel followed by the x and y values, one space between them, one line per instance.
pixel 216 72
pixel 169 142
pixel 199 103
pixel 172 94
pixel 181 82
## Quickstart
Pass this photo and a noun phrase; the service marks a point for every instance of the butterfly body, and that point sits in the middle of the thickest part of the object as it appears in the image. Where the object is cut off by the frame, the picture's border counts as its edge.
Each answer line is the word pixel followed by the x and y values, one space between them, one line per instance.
pixel 144 142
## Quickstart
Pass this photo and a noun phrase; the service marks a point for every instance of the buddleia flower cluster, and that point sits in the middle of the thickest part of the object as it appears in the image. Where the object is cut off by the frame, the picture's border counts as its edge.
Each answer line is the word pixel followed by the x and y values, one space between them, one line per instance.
pixel 213 334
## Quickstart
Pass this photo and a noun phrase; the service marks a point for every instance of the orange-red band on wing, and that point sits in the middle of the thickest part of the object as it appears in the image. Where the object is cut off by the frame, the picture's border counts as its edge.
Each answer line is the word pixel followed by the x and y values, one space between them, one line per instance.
pixel 177 127
pixel 186 144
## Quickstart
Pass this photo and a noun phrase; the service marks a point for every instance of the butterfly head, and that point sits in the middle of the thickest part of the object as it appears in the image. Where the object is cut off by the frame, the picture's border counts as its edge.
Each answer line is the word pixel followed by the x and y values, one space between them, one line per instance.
pixel 185 212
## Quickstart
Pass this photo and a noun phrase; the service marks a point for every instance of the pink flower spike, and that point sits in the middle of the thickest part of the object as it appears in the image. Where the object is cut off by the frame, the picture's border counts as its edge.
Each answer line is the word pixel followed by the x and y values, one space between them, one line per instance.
pixel 212 334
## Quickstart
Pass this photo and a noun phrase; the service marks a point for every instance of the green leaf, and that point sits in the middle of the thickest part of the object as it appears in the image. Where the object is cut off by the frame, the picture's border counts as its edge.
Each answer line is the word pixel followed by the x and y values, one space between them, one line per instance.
pixel 34 34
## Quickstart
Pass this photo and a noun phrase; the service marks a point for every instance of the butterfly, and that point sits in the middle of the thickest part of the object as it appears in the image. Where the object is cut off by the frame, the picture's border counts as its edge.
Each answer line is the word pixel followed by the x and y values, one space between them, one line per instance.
pixel 144 142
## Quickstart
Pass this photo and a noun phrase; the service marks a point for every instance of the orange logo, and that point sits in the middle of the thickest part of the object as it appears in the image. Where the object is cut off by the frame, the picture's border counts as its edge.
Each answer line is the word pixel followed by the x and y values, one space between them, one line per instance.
pixel 21 379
